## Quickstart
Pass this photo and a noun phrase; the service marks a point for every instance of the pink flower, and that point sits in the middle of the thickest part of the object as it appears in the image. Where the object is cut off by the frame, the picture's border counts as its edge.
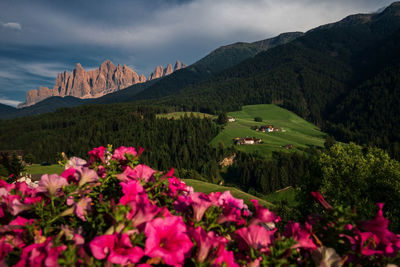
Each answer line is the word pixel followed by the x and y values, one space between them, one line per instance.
pixel 379 227
pixel 41 254
pixel 5 248
pixel 176 187
pixel 51 184
pixel 317 195
pixel 256 237
pixel 71 175
pixel 167 239
pixel 200 203
pixel 142 210
pixel 225 256
pixel 130 189
pixel 140 172
pixel 121 152
pixel 97 154
pixel 206 242
pixel 232 209
pixel 301 235
pixel 119 248
pixel 264 215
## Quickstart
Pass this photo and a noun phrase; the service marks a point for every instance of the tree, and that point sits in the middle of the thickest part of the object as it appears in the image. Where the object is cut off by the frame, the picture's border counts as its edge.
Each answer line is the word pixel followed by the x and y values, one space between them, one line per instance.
pixel 222 118
pixel 351 175
pixel 258 119
pixel 29 158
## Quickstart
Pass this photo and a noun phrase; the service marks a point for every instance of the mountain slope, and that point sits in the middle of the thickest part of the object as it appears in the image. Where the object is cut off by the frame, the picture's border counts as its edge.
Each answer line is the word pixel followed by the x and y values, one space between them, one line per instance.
pixel 4 109
pixel 218 60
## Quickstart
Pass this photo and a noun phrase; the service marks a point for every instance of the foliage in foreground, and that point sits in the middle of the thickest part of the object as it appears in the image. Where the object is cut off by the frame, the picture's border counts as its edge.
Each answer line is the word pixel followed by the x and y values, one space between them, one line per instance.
pixel 113 210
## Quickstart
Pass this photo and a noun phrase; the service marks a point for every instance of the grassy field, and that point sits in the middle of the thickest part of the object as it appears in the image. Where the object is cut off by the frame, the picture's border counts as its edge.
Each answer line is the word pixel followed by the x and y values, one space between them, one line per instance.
pixel 179 114
pixel 38 169
pixel 293 130
pixel 207 188
pixel 288 194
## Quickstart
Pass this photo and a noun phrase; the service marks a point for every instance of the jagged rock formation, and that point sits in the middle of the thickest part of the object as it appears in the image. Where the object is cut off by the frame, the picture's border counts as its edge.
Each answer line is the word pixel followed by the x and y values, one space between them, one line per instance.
pixel 87 84
pixel 160 72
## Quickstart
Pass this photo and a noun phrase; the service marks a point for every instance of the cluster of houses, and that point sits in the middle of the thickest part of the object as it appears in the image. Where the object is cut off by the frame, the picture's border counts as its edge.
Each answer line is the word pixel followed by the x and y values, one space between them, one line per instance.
pixel 247 141
pixel 265 128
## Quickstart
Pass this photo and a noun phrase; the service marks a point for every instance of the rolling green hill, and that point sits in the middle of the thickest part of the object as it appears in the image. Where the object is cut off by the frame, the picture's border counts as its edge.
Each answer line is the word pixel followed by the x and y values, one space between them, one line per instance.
pixel 292 130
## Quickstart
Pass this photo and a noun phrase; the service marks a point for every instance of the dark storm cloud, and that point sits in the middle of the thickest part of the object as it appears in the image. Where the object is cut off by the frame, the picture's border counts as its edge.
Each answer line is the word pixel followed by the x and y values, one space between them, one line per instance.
pixel 40 38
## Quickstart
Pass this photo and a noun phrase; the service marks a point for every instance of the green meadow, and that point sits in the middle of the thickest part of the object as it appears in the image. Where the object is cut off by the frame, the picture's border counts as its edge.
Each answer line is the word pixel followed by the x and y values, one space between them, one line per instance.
pixel 38 169
pixel 292 130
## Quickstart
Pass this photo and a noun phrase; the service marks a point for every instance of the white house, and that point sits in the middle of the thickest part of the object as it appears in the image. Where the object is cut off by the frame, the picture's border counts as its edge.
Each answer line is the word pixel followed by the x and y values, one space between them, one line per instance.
pixel 231 119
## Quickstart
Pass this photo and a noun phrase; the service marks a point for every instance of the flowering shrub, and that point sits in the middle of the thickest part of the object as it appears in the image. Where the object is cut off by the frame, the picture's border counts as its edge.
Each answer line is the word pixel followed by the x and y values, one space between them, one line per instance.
pixel 113 210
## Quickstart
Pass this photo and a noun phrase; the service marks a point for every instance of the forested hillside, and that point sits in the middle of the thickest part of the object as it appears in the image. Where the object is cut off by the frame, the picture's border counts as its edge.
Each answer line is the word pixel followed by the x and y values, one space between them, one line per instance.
pixel 320 76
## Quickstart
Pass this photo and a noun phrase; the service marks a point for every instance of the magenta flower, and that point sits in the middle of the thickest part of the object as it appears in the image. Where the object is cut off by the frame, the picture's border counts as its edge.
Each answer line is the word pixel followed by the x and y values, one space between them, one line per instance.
pixel 97 154
pixel 131 189
pixel 300 234
pixel 264 215
pixel 121 152
pixel 225 258
pixel 119 248
pixel 232 209
pixel 5 248
pixel 317 195
pixel 71 175
pixel 176 187
pixel 142 172
pixel 256 237
pixel 200 203
pixel 206 242
pixel 40 254
pixel 379 227
pixel 167 239
pixel 142 210
pixel 51 184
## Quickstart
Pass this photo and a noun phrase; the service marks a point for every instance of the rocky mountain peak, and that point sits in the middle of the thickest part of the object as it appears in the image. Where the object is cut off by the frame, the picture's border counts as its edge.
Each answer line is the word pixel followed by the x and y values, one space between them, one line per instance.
pixel 160 72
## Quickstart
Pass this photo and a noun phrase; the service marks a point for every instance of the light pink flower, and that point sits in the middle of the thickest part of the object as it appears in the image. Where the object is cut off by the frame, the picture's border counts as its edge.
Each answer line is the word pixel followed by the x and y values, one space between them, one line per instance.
pixel 75 162
pixel 51 184
pixel 120 153
pixel 256 237
pixel 81 207
pixel 87 175
pixel 232 209
pixel 167 239
pixel 142 172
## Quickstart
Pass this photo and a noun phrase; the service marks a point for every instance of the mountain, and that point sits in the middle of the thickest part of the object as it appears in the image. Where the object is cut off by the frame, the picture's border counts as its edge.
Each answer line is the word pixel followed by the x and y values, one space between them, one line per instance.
pixel 87 84
pixel 160 72
pixel 4 109
pixel 218 60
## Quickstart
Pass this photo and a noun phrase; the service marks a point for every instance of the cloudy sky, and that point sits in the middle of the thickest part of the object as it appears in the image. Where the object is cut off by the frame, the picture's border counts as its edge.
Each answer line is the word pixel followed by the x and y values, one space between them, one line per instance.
pixel 40 38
